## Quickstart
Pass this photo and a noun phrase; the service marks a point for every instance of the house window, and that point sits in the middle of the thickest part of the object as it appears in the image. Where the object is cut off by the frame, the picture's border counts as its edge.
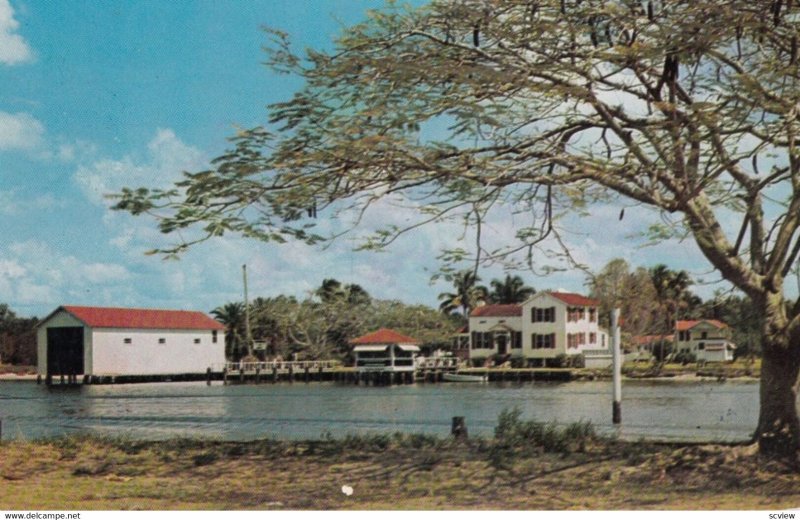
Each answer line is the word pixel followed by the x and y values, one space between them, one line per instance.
pixel 592 338
pixel 161 341
pixel 576 314
pixel 213 336
pixel 127 341
pixel 196 341
pixel 684 335
pixel 704 335
pixel 516 339
pixel 543 314
pixel 701 345
pixel 592 314
pixel 482 340
pixel 540 341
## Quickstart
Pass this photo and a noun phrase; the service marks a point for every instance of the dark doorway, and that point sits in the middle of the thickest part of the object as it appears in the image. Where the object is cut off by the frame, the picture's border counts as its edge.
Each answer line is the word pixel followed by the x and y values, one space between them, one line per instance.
pixel 502 344
pixel 64 351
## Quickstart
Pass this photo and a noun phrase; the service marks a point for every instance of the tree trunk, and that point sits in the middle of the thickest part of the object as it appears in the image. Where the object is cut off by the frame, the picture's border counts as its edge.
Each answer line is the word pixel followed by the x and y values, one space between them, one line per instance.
pixel 778 432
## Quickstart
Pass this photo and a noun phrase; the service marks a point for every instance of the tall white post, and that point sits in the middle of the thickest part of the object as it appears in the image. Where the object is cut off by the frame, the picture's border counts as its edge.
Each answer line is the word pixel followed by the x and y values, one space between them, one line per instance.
pixel 248 335
pixel 616 356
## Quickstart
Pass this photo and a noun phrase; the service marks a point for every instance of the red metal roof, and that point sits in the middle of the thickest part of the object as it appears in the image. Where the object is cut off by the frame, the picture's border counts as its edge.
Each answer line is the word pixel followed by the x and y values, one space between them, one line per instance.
pixel 689 324
pixel 119 318
pixel 383 337
pixel 497 310
pixel 575 299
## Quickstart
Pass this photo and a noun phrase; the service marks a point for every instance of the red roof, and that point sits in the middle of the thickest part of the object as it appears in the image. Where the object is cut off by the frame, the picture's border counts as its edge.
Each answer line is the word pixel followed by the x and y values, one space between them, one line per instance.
pixel 383 337
pixel 689 324
pixel 118 318
pixel 575 299
pixel 497 310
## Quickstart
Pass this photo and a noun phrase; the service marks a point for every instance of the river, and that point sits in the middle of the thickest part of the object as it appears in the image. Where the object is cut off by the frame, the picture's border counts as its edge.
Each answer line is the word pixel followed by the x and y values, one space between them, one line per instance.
pixel 663 410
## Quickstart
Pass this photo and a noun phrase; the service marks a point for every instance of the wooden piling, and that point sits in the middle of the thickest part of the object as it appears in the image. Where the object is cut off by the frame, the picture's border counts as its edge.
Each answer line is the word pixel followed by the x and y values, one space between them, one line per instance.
pixel 225 376
pixel 459 428
pixel 241 375
pixel 258 375
pixel 306 374
pixel 274 374
pixel 208 376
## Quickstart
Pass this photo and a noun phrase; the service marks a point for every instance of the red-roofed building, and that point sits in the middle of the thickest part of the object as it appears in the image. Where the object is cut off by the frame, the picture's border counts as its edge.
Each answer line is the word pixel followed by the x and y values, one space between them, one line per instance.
pixel 384 350
pixel 537 331
pixel 708 340
pixel 110 341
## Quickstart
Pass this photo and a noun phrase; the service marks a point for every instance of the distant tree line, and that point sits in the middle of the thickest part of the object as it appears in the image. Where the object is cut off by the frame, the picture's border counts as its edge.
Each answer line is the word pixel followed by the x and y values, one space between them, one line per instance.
pixel 651 300
pixel 17 338
pixel 321 325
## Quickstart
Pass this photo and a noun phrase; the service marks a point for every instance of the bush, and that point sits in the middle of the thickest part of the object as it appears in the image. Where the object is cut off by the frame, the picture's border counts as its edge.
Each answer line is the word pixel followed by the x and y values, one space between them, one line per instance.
pixel 512 433
pixel 560 361
pixel 684 358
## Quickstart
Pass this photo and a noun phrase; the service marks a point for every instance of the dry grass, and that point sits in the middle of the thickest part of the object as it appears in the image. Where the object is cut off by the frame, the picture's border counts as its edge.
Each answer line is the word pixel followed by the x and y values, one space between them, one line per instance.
pixel 397 472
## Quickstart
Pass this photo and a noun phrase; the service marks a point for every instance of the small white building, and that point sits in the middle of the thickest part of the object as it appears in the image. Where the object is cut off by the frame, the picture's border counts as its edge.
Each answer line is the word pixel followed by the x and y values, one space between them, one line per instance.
pixel 545 326
pixel 103 341
pixel 708 340
pixel 384 350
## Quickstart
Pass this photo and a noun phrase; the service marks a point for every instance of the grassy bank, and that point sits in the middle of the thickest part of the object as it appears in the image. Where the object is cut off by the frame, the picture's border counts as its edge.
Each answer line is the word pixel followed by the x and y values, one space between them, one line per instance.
pixel 526 466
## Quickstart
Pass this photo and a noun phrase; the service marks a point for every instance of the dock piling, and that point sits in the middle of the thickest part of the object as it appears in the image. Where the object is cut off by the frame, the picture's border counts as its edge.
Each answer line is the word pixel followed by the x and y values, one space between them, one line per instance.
pixel 459 428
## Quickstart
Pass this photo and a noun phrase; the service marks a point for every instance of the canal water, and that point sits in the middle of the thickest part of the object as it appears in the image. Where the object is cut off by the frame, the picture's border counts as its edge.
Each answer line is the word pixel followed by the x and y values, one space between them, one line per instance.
pixel 664 410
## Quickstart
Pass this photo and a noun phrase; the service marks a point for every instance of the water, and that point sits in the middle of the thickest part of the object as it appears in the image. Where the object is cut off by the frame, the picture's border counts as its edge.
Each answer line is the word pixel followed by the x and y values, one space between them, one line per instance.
pixel 665 410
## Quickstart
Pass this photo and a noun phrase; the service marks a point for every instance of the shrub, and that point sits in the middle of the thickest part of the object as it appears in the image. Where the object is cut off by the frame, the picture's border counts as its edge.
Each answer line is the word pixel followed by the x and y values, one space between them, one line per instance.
pixel 512 433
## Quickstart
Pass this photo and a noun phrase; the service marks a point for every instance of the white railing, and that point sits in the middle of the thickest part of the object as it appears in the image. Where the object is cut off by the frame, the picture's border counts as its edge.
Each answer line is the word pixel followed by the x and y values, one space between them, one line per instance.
pixel 269 366
pixel 436 363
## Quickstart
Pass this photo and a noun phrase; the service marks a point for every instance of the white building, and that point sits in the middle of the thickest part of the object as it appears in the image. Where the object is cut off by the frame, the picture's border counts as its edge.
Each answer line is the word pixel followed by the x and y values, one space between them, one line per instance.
pixel 545 326
pixel 708 340
pixel 101 341
pixel 384 350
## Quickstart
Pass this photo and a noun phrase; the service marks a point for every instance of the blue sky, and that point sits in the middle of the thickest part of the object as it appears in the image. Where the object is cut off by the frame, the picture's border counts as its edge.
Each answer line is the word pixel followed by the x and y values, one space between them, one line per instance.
pixel 95 96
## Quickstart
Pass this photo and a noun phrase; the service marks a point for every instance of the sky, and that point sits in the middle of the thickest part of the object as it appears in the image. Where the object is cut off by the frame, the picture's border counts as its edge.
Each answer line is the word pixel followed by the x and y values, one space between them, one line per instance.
pixel 96 96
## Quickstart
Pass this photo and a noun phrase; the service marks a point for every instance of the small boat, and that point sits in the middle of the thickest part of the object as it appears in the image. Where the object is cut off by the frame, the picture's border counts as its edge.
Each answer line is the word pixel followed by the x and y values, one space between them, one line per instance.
pixel 464 378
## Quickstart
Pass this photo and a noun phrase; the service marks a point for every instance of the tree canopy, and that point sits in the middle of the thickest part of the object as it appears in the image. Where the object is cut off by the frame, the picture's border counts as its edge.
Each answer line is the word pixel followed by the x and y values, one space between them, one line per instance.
pixel 688 107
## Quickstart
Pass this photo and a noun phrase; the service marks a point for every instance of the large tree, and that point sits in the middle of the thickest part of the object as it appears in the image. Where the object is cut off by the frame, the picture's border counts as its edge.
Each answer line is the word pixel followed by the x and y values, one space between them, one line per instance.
pixel 688 107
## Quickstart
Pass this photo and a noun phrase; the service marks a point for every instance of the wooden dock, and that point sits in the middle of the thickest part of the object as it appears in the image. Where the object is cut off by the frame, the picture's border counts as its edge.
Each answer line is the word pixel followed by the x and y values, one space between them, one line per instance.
pixel 265 372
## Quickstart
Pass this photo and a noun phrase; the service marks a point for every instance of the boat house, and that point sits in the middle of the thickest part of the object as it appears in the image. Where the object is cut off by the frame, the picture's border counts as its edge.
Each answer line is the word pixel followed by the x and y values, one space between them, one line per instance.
pixel 103 341
pixel 384 350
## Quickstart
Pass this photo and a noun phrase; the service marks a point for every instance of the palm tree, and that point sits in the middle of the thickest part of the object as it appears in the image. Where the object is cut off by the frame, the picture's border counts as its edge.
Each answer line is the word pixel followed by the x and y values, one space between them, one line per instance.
pixel 466 296
pixel 671 289
pixel 332 290
pixel 232 316
pixel 510 290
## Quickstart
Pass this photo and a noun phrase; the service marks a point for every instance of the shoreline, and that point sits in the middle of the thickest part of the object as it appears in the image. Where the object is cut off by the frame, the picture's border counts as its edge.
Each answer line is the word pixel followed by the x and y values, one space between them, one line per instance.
pixel 564 471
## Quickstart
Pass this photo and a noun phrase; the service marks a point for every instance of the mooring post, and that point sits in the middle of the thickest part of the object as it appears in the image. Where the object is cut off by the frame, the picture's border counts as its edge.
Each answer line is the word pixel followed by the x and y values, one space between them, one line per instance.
pixel 208 376
pixel 241 374
pixel 274 373
pixel 459 428
pixel 225 376
pixel 305 376
pixel 258 375
pixel 616 357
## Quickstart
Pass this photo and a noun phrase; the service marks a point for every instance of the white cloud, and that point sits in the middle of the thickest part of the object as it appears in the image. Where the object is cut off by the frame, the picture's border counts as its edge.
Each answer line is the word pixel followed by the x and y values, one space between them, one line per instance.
pixel 166 159
pixel 13 48
pixel 33 273
pixel 20 131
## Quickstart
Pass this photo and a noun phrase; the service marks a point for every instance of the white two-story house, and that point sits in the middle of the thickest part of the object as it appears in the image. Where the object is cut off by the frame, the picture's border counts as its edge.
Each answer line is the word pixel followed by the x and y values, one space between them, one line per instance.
pixel 542 328
pixel 708 340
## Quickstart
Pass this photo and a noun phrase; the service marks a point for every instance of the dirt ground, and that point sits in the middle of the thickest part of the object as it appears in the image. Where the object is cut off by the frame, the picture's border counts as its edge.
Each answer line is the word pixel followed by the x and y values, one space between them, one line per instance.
pixel 88 474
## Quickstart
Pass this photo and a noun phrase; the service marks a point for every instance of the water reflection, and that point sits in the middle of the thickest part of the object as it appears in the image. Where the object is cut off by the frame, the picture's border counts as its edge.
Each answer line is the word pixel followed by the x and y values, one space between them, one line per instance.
pixel 659 410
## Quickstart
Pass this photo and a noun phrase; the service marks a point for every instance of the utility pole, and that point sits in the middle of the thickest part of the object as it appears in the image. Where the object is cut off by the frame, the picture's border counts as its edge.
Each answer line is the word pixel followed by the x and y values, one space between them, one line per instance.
pixel 616 360
pixel 248 335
